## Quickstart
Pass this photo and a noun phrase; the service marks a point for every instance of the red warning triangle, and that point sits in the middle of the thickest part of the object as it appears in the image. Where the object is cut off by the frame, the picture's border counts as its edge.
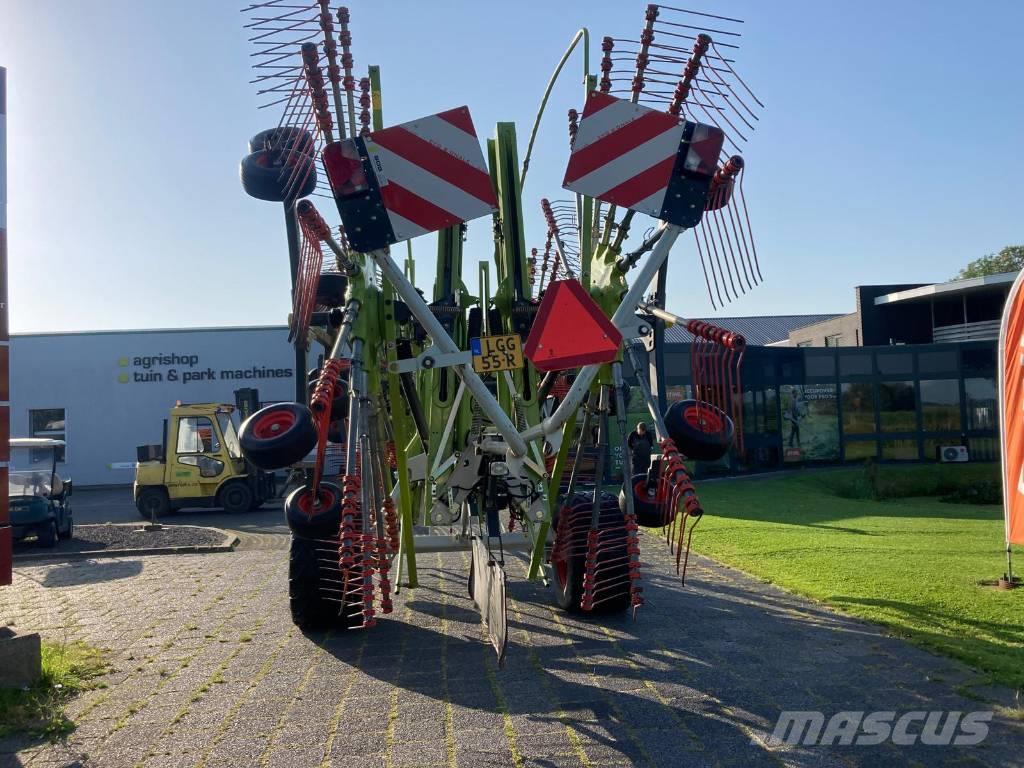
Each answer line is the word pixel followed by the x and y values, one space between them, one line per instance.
pixel 570 330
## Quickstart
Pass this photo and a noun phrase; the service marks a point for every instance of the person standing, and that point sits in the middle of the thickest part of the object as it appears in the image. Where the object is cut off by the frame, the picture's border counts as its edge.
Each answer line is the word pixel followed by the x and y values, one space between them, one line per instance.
pixel 640 444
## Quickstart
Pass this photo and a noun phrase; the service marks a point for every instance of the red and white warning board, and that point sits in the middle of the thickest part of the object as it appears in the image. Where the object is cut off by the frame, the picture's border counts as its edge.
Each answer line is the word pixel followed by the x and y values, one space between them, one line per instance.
pixel 638 158
pixel 410 179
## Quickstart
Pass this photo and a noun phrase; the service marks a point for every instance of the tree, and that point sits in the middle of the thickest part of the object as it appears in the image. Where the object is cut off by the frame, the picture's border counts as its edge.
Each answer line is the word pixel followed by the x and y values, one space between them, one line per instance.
pixel 1010 259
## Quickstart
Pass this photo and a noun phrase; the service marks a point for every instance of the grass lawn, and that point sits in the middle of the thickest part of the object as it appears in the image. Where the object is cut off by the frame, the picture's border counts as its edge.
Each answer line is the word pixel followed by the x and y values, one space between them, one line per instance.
pixel 39 711
pixel 912 564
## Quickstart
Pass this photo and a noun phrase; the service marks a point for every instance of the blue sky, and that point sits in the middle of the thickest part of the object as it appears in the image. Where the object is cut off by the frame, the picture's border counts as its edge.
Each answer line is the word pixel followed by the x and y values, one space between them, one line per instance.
pixel 887 152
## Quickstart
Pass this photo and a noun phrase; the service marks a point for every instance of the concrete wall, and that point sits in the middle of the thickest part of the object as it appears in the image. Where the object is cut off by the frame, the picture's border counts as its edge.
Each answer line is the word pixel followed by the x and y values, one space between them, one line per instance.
pixel 117 387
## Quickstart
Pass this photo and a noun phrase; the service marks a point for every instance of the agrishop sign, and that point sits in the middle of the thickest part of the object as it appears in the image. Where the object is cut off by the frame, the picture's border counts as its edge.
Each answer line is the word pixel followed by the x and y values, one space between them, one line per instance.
pixel 188 368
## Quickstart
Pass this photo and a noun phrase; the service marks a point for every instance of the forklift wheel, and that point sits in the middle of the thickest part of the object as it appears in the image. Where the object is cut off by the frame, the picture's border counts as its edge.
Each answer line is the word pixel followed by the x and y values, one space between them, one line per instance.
pixel 311 609
pixel 153 502
pixel 283 137
pixel 645 505
pixel 700 430
pixel 569 558
pixel 268 175
pixel 330 289
pixel 235 496
pixel 314 521
pixel 277 436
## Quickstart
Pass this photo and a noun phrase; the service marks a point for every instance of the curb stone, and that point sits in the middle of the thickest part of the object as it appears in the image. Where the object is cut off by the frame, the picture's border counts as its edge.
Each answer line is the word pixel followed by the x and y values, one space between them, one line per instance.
pixel 228 544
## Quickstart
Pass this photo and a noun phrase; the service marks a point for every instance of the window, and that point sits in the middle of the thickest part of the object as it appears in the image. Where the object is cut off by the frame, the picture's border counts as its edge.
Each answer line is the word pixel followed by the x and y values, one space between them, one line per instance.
pixel 858 450
pixel 899 363
pixel 982 403
pixel 897 406
pixel 834 340
pixel 49 422
pixel 858 408
pixel 855 365
pixel 940 405
pixel 816 364
pixel 197 435
pixel 769 411
pixel 208 467
pixel 899 450
pixel 227 428
pixel 937 362
pixel 948 311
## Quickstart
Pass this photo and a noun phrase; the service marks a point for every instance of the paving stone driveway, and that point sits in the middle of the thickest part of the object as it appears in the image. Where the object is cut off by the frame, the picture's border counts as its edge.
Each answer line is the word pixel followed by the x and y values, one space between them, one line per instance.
pixel 209 671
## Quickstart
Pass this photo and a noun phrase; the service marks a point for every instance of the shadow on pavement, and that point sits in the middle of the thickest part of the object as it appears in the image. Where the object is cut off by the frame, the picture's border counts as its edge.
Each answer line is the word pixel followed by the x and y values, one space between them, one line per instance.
pixel 91 572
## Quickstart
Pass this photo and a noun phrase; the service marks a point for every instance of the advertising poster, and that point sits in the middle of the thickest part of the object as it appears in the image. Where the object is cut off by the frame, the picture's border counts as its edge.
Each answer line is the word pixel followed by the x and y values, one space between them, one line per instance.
pixel 810 423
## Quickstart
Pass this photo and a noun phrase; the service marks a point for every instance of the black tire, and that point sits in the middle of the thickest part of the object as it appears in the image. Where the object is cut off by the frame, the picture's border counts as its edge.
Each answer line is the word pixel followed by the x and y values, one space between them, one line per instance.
pixel 320 521
pixel 69 528
pixel 700 430
pixel 283 137
pixel 647 510
pixel 277 436
pixel 331 288
pixel 336 432
pixel 274 176
pixel 339 406
pixel 311 610
pixel 153 502
pixel 235 496
pixel 48 534
pixel 613 561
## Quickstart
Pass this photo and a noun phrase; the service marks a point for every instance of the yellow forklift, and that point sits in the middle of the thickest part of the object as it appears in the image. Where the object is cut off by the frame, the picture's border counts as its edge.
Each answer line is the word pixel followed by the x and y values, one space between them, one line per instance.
pixel 199 463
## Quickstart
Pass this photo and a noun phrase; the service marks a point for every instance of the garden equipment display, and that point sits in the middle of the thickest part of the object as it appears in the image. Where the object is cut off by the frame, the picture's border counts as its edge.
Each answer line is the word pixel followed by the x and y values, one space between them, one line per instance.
pixel 199 464
pixel 40 499
pixel 481 419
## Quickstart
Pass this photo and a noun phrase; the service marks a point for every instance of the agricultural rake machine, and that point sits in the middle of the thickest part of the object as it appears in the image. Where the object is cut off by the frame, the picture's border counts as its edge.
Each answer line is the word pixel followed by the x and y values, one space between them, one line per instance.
pixel 481 421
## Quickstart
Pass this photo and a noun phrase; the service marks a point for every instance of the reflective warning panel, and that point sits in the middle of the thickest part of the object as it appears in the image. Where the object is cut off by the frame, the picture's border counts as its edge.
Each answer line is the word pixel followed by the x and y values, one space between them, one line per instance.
pixel 570 330
pixel 409 180
pixel 642 159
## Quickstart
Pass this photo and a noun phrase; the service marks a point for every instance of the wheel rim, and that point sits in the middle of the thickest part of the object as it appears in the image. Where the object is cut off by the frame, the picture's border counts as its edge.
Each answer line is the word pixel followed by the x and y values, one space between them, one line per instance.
pixel 235 497
pixel 561 572
pixel 273 424
pixel 325 500
pixel 641 491
pixel 704 418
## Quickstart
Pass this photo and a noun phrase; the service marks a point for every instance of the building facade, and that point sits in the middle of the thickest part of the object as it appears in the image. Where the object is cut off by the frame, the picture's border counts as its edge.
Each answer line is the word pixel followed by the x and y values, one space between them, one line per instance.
pixel 918 313
pixel 105 393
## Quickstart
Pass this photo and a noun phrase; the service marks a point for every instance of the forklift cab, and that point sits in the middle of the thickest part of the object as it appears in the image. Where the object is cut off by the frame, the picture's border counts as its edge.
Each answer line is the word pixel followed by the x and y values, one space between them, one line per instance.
pixel 199 464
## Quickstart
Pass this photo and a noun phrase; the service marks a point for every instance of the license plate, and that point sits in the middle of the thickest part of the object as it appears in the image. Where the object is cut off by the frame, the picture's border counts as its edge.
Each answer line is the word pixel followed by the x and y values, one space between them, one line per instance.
pixel 496 353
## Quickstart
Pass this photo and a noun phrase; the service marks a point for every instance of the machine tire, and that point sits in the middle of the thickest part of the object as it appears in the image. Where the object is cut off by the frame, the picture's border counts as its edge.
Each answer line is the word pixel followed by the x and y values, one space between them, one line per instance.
pixel 322 521
pixel 339 406
pixel 701 431
pixel 283 137
pixel 647 510
pixel 569 571
pixel 153 500
pixel 310 610
pixel 70 530
pixel 48 534
pixel 235 497
pixel 265 175
pixel 331 288
pixel 277 436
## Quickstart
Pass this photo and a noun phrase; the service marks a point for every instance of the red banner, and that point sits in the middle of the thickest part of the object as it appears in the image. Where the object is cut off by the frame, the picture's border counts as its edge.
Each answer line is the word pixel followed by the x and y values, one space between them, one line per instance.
pixel 1011 411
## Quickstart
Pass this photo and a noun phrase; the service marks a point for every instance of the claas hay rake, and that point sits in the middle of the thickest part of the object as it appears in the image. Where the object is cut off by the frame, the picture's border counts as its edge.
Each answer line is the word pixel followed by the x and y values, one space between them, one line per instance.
pixel 484 421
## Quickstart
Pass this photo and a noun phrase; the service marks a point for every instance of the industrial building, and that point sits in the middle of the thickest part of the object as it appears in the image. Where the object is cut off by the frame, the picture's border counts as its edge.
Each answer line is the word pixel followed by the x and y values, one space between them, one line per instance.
pixel 924 378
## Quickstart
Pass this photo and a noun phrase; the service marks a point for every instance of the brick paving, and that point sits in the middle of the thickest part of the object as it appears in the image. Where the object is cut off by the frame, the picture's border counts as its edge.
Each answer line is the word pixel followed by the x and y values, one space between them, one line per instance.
pixel 209 671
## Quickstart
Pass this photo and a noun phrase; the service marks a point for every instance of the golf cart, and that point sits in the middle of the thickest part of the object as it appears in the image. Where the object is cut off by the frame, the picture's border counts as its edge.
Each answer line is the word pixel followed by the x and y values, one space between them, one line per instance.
pixel 40 501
